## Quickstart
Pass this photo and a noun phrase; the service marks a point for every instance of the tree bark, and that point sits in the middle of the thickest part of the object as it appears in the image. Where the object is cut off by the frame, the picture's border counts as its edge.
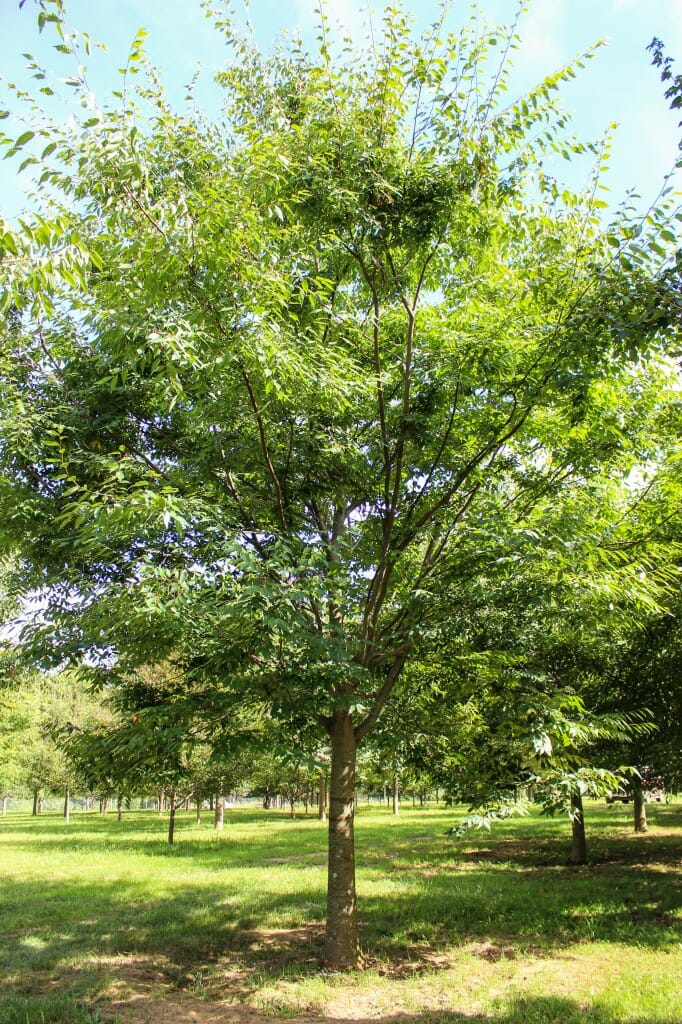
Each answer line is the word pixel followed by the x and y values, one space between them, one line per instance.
pixel 639 807
pixel 322 797
pixel 171 819
pixel 396 795
pixel 219 817
pixel 119 806
pixel 579 843
pixel 67 805
pixel 341 945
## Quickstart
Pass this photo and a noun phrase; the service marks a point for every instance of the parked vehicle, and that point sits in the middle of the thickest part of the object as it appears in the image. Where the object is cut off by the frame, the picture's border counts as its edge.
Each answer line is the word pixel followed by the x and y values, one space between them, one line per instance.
pixel 653 785
pixel 653 788
pixel 619 796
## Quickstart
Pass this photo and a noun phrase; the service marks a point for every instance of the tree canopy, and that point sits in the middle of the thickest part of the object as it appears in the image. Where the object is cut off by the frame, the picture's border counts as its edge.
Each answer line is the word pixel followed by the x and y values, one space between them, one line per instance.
pixel 270 383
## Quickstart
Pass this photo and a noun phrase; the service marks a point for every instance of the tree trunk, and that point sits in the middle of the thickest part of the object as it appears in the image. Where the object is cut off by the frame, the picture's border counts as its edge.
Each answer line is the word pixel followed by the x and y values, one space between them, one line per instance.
pixel 162 800
pixel 322 797
pixel 579 843
pixel 171 819
pixel 267 799
pixel 639 807
pixel 119 806
pixel 341 945
pixel 67 805
pixel 198 817
pixel 41 804
pixel 292 807
pixel 219 817
pixel 396 795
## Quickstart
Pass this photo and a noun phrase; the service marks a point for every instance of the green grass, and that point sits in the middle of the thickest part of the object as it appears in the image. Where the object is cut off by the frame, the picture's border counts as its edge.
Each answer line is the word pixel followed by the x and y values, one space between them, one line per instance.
pixel 103 917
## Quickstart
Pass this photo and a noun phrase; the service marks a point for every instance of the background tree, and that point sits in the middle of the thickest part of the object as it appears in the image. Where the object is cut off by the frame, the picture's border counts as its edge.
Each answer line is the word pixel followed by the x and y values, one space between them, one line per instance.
pixel 520 701
pixel 17 732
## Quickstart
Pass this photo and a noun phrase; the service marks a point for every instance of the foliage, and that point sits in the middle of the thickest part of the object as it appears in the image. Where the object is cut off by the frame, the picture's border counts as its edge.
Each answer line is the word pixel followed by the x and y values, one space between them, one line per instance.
pixel 17 730
pixel 673 90
pixel 270 385
pixel 35 709
pixel 163 737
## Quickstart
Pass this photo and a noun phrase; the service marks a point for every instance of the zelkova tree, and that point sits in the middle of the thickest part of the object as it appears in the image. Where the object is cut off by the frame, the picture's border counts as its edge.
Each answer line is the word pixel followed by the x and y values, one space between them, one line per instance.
pixel 267 378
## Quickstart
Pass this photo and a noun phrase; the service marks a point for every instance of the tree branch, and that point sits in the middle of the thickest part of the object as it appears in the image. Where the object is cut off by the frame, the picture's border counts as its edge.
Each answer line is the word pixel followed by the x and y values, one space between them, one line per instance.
pixel 382 696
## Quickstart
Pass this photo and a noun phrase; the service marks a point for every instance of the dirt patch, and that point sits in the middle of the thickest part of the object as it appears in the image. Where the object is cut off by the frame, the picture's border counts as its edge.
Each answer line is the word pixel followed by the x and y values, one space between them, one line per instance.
pixel 491 952
pixel 180 1009
pixel 140 991
pixel 224 992
pixel 143 992
pixel 289 940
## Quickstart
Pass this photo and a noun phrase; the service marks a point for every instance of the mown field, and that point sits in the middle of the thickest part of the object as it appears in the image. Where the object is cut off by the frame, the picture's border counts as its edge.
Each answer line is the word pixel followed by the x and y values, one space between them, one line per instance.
pixel 103 920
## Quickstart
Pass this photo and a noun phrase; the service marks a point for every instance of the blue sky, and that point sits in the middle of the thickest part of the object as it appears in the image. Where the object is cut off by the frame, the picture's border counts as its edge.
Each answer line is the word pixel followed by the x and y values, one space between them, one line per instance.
pixel 618 85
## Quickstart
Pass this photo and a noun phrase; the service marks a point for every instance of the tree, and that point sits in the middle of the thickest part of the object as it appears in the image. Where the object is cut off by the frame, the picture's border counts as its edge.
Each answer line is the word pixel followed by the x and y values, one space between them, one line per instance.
pixel 642 670
pixel 635 667
pixel 520 700
pixel 148 743
pixel 60 703
pixel 269 383
pixel 16 731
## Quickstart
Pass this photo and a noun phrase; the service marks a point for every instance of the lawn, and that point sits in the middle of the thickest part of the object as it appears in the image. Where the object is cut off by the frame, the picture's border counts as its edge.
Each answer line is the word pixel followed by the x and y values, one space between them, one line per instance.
pixel 102 919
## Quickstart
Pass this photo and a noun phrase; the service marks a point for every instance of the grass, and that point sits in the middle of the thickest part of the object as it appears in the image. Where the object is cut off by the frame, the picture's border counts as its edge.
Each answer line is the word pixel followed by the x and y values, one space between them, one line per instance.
pixel 102 918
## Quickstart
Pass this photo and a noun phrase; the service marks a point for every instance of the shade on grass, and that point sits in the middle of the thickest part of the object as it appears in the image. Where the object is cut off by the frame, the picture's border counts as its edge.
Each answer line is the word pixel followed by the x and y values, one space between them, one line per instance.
pixel 78 902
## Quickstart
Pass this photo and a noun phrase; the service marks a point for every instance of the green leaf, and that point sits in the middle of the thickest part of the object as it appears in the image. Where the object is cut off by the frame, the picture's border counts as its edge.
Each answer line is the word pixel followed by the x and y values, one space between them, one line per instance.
pixel 23 139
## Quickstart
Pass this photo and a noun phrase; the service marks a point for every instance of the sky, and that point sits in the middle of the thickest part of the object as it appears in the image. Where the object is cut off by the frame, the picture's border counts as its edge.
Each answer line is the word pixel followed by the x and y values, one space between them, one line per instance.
pixel 619 84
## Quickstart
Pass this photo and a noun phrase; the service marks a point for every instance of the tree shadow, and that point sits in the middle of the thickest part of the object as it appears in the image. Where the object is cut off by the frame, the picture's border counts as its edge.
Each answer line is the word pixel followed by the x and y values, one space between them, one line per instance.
pixel 50 924
pixel 420 895
pixel 146 833
pixel 523 1010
